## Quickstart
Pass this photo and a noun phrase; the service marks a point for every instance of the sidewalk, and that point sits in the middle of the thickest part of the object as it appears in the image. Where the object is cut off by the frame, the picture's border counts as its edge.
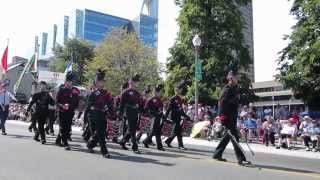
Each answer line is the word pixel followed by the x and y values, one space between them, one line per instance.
pixel 212 144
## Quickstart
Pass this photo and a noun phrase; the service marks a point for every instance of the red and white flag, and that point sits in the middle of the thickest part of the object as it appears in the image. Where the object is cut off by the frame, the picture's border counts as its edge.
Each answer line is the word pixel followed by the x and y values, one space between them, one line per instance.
pixel 4 60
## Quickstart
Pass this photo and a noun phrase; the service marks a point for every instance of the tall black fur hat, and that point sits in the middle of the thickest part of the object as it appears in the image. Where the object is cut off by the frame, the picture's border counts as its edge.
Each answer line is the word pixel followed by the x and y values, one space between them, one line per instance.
pixel 159 87
pixel 125 85
pixel 70 76
pixel 147 89
pixel 100 75
pixel 136 78
pixel 180 85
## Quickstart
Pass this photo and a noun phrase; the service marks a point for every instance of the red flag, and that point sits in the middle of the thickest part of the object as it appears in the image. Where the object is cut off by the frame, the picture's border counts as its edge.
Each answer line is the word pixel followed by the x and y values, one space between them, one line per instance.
pixel 4 60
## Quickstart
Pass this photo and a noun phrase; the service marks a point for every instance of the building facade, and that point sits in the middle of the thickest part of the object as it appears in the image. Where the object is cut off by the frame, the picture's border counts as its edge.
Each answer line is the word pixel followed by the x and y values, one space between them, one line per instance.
pixel 94 26
pixel 247 14
pixel 273 93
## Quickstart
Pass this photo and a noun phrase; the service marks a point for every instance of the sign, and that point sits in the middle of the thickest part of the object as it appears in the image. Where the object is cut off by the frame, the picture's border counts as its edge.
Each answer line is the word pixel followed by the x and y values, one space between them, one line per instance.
pixel 51 77
pixel 198 71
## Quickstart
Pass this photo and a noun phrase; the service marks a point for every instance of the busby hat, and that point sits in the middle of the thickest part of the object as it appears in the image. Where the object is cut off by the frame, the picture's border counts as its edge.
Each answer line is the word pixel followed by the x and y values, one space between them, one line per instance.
pixel 230 74
pixel 43 83
pixel 100 75
pixel 125 85
pixel 180 85
pixel 147 89
pixel 70 76
pixel 136 78
pixel 158 87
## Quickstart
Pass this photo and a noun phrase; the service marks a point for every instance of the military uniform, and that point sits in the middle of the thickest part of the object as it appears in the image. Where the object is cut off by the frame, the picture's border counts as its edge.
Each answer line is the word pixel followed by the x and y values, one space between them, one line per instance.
pixel 176 110
pixel 100 104
pixel 154 107
pixel 228 113
pixel 131 106
pixel 42 100
pixel 66 97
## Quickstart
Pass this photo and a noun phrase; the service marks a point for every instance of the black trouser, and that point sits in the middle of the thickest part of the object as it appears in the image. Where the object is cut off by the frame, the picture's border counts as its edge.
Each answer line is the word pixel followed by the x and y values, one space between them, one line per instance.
pixel 50 120
pixel 269 136
pixel 65 122
pixel 132 116
pixel 41 120
pixel 3 118
pixel 176 131
pixel 33 125
pixel 124 126
pixel 225 140
pixel 307 139
pixel 155 131
pixel 98 124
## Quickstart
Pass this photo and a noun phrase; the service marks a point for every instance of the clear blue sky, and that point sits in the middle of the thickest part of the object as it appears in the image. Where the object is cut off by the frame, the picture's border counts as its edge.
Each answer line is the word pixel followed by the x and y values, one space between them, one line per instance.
pixel 22 20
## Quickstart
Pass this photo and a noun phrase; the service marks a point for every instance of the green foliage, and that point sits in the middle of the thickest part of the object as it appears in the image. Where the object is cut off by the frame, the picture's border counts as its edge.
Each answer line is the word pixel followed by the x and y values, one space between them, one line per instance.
pixel 299 63
pixel 219 24
pixel 122 55
pixel 82 53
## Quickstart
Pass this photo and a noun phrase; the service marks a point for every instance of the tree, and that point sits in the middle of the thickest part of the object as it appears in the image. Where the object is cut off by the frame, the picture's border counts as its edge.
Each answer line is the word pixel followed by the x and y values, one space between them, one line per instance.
pixel 80 51
pixel 122 55
pixel 299 63
pixel 219 24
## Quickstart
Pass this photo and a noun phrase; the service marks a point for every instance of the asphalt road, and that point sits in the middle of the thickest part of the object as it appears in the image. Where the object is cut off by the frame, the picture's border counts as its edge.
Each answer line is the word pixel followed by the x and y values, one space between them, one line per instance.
pixel 21 158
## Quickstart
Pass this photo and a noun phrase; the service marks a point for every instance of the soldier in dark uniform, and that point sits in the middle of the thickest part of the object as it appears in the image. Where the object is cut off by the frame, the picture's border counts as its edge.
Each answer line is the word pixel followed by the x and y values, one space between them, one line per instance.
pixel 228 112
pixel 67 102
pixel 42 100
pixel 116 128
pixel 51 118
pixel 176 110
pixel 100 105
pixel 131 106
pixel 145 97
pixel 154 107
pixel 86 128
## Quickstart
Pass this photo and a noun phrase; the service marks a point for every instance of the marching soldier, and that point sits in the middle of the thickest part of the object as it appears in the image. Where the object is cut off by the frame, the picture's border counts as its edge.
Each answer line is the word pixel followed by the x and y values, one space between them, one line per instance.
pixel 131 106
pixel 116 128
pixel 42 100
pixel 145 97
pixel 154 107
pixel 51 118
pixel 67 102
pixel 228 112
pixel 100 104
pixel 176 110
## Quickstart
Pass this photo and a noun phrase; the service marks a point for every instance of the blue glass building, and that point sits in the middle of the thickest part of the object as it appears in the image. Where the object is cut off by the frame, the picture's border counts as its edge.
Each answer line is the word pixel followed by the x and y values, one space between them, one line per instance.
pixel 94 26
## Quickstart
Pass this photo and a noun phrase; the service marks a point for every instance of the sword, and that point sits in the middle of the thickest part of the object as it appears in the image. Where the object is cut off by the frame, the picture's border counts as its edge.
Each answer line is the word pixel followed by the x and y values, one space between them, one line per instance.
pixel 234 139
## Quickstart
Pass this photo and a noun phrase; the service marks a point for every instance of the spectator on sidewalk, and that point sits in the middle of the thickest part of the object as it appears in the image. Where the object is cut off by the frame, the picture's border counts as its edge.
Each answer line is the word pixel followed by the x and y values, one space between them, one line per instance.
pixel 306 127
pixel 269 129
pixel 287 132
pixel 250 125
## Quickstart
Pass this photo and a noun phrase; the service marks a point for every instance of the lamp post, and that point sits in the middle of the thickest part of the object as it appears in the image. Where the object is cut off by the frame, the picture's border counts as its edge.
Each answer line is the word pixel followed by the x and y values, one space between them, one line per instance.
pixel 196 41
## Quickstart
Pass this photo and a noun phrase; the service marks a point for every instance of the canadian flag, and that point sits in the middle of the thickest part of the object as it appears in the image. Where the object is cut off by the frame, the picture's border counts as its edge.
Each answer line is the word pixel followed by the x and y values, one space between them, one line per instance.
pixel 4 60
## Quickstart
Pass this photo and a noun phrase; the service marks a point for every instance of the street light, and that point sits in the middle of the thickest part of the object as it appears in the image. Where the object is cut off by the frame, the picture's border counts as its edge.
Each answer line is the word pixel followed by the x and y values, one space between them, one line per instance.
pixel 196 41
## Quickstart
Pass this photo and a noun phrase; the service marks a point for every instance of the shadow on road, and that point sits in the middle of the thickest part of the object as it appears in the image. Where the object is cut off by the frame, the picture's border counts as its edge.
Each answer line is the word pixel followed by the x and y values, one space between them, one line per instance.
pixel 294 170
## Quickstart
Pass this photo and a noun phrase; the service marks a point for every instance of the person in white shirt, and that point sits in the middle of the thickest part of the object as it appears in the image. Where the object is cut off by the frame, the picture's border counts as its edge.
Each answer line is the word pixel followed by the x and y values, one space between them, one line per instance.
pixel 306 127
pixel 5 98
pixel 287 132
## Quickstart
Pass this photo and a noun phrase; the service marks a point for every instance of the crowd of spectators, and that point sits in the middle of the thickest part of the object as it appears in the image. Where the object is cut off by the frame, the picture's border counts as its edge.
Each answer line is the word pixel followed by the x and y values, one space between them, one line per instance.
pixel 280 129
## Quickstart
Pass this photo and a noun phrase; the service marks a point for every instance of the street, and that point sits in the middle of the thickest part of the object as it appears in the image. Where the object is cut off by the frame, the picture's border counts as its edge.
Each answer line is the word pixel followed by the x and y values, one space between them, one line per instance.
pixel 24 159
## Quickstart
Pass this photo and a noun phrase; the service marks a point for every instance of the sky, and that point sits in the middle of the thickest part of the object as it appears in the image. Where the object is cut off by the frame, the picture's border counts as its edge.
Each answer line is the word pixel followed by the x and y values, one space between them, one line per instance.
pixel 22 20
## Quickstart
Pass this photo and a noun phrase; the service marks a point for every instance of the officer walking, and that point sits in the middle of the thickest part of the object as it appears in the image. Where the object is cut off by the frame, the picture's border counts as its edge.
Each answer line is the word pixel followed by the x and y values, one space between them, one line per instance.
pixel 228 112
pixel 67 102
pixel 100 105
pixel 176 110
pixel 51 118
pixel 154 107
pixel 42 100
pixel 131 106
